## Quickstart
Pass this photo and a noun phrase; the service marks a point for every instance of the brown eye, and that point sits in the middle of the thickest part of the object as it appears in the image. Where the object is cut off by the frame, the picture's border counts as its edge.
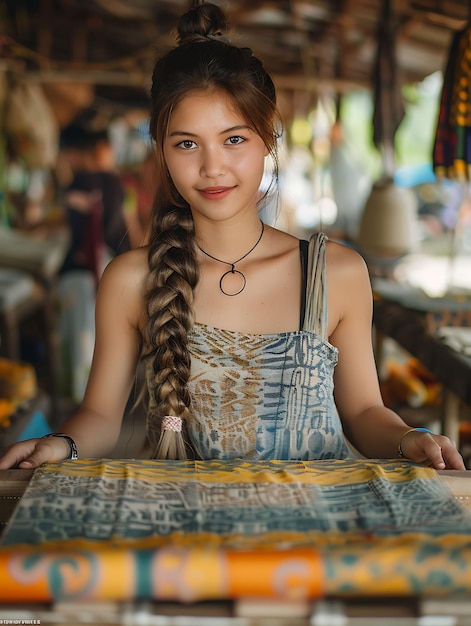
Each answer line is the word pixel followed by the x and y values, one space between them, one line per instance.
pixel 235 140
pixel 187 144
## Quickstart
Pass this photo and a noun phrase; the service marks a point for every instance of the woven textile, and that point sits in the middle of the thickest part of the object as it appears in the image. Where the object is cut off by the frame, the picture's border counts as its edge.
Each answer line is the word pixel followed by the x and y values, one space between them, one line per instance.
pixel 452 146
pixel 181 530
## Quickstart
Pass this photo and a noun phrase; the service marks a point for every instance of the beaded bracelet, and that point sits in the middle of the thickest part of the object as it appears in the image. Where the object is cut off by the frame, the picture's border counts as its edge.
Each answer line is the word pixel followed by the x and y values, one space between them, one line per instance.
pixel 400 453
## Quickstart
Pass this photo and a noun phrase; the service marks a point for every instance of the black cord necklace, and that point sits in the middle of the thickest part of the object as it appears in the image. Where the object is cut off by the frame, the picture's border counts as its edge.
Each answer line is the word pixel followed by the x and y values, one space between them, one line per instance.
pixel 233 269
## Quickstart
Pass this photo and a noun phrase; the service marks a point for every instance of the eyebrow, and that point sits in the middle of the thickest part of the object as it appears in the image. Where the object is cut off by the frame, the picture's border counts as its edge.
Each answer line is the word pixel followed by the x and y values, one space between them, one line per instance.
pixel 182 133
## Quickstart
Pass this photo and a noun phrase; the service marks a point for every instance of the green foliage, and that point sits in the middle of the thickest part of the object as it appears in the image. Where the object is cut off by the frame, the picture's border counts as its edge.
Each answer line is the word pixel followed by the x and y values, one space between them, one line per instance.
pixel 415 135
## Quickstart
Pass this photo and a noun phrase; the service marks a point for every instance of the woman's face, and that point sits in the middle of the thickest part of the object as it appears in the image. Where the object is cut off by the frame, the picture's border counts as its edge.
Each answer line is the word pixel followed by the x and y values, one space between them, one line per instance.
pixel 215 159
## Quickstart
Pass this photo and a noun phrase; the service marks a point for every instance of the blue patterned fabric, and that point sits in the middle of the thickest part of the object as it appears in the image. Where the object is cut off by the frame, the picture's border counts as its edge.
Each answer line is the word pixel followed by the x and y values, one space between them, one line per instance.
pixel 235 504
pixel 263 396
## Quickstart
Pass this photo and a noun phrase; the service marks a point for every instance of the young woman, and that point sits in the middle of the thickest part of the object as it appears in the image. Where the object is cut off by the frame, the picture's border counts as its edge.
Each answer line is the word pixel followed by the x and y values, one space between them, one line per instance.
pixel 255 346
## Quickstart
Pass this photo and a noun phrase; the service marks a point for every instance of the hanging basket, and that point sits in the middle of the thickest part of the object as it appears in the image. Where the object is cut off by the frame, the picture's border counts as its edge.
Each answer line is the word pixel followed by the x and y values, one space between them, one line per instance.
pixel 29 125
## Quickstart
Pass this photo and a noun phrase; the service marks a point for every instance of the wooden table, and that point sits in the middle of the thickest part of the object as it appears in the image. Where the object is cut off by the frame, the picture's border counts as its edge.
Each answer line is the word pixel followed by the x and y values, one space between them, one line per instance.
pixel 13 484
pixel 452 369
pixel 459 483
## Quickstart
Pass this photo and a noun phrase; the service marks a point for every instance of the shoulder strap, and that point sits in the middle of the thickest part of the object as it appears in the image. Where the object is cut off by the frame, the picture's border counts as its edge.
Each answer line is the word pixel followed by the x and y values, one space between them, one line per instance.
pixel 315 317
pixel 303 251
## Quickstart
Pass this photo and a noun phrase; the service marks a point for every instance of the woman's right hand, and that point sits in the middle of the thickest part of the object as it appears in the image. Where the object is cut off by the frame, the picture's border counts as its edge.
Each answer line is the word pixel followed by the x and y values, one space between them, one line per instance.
pixel 32 453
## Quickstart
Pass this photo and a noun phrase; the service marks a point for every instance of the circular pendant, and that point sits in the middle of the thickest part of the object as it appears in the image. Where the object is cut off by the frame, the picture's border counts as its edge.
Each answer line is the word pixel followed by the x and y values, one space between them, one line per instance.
pixel 242 282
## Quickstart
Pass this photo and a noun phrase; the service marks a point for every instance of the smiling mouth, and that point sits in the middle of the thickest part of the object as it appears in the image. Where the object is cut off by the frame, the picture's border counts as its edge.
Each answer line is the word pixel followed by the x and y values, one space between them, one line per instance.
pixel 214 190
pixel 215 193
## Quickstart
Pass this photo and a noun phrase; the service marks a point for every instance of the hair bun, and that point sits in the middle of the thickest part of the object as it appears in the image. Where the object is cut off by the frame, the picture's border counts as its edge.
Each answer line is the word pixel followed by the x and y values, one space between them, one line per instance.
pixel 204 20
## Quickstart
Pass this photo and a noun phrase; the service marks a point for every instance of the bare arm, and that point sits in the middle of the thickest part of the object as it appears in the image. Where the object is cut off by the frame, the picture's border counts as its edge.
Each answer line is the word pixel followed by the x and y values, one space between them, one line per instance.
pixel 96 425
pixel 373 429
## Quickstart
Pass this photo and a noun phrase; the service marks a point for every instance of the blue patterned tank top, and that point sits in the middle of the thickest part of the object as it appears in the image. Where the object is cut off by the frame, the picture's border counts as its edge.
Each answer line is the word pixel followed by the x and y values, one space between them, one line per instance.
pixel 268 396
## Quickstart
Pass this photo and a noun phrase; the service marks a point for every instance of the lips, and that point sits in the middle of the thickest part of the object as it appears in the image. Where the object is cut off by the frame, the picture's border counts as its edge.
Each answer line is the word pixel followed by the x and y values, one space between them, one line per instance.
pixel 215 193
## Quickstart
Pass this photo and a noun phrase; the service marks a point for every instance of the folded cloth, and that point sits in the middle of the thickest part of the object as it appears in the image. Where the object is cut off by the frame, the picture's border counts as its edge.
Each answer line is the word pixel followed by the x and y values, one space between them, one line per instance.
pixel 185 531
pixel 16 286
pixel 41 257
pixel 456 337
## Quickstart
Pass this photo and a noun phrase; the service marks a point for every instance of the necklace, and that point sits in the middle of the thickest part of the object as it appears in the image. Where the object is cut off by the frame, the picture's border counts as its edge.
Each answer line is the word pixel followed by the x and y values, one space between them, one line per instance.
pixel 233 270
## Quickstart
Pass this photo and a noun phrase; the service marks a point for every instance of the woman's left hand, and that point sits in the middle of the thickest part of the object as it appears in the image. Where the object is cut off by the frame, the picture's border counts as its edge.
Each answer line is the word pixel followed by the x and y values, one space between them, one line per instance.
pixel 435 450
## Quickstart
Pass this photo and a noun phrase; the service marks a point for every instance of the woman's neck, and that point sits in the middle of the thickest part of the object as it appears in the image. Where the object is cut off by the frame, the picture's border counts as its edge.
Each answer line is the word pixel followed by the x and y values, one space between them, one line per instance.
pixel 229 240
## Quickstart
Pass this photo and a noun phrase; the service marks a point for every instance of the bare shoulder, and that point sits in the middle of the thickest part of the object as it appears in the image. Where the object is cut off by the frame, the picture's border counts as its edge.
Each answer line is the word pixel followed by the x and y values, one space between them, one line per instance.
pixel 122 285
pixel 345 263
pixel 129 268
pixel 348 286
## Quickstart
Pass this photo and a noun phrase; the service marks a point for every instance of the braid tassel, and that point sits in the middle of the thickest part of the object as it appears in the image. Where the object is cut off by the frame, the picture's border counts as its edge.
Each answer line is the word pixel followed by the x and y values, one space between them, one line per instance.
pixel 171 445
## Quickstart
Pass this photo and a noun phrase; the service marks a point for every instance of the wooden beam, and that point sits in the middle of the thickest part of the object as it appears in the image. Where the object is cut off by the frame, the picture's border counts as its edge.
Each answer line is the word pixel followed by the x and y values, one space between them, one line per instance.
pixel 141 79
pixel 126 79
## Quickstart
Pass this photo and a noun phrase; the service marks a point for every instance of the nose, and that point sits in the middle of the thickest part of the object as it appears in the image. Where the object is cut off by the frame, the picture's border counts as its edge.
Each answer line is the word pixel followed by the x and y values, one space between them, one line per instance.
pixel 212 163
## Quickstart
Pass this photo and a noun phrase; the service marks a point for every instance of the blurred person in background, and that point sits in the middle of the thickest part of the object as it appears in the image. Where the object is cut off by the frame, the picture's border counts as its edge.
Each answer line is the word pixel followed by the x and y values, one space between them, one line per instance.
pixel 93 202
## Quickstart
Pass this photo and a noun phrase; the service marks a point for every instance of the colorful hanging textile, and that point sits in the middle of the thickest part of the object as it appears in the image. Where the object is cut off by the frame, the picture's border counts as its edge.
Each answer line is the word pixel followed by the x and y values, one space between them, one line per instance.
pixel 452 146
pixel 196 530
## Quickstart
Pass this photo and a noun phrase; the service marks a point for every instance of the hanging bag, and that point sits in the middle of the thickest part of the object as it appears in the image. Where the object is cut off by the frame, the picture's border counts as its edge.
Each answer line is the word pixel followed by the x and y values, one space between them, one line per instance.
pixel 29 124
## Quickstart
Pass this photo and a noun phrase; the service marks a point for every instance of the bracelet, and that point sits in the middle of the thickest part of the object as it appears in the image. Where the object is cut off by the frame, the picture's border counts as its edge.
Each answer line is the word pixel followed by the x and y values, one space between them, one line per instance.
pixel 73 455
pixel 400 453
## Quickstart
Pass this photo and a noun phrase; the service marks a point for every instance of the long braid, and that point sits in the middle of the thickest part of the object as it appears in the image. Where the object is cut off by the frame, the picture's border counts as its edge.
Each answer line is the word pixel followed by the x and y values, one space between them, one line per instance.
pixel 173 276
pixel 203 59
